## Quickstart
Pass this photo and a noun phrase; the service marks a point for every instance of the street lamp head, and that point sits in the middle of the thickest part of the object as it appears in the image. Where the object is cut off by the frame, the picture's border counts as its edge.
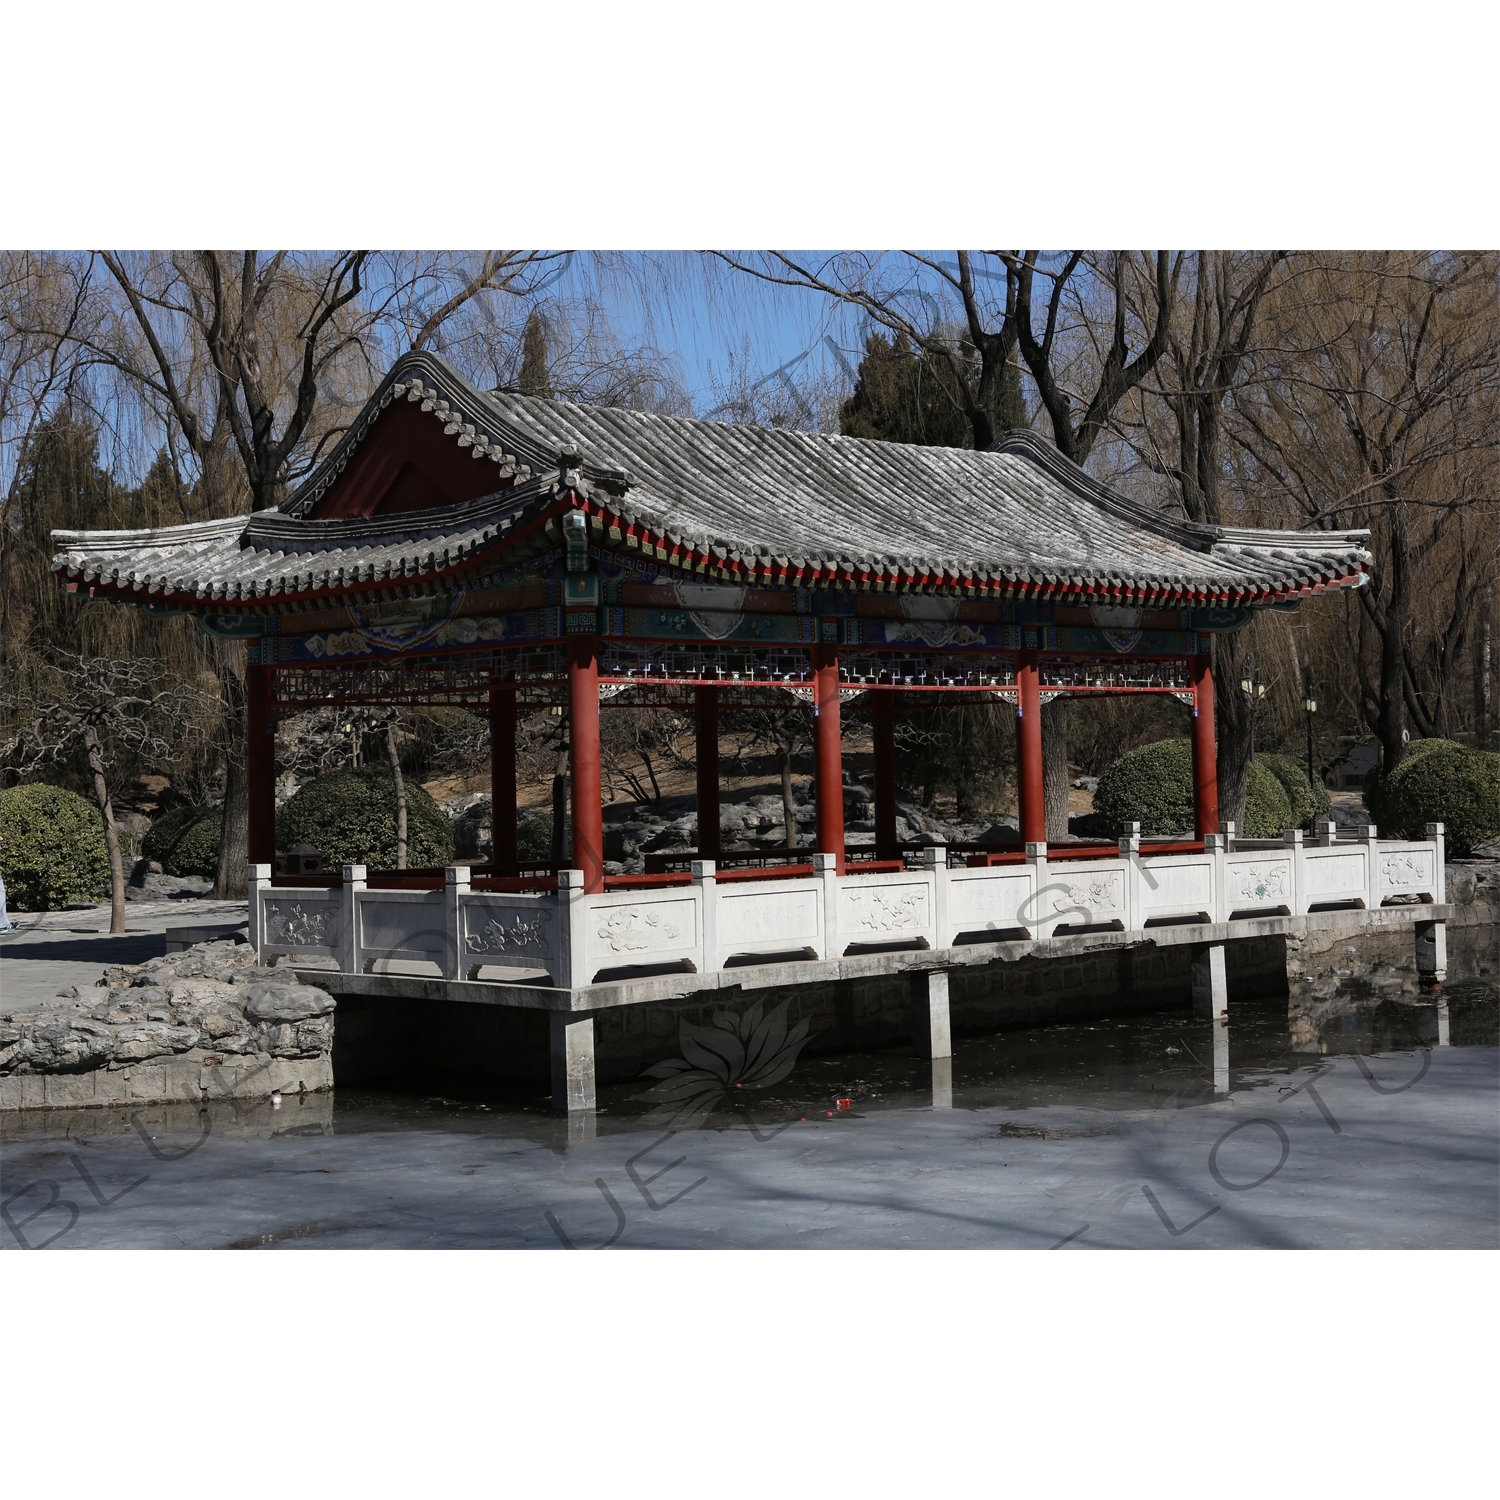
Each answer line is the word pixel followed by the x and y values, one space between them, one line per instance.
pixel 1310 704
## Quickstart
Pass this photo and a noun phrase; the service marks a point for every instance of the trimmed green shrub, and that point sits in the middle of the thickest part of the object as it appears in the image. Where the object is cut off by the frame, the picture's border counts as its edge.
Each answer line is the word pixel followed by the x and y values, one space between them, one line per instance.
pixel 185 841
pixel 1153 786
pixel 1449 784
pixel 349 817
pixel 534 839
pixel 196 851
pixel 1380 814
pixel 54 850
pixel 1308 799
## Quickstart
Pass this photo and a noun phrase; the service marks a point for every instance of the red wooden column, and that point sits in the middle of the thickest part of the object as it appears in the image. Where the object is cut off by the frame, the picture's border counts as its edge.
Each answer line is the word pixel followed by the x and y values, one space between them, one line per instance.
pixel 1205 755
pixel 706 705
pixel 583 761
pixel 828 753
pixel 503 779
pixel 884 700
pixel 260 765
pixel 1033 808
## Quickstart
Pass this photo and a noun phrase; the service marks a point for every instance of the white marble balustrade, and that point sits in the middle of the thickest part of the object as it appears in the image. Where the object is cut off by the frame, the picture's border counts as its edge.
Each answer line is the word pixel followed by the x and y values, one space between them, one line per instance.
pixel 566 938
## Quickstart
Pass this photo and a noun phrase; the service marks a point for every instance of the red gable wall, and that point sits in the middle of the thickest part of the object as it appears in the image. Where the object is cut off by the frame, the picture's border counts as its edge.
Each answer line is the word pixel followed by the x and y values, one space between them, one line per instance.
pixel 407 462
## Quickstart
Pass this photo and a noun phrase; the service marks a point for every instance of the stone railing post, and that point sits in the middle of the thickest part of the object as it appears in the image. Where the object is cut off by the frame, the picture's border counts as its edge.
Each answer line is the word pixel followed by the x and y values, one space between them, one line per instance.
pixel 1292 838
pixel 1439 872
pixel 826 868
pixel 1036 867
pixel 1327 832
pixel 933 863
pixel 1230 829
pixel 1369 837
pixel 1217 847
pixel 706 882
pixel 572 937
pixel 1130 852
pixel 455 888
pixel 351 961
pixel 257 881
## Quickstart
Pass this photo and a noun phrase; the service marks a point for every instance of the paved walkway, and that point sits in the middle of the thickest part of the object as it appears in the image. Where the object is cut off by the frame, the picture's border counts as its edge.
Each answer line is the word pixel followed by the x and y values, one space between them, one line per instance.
pixel 52 950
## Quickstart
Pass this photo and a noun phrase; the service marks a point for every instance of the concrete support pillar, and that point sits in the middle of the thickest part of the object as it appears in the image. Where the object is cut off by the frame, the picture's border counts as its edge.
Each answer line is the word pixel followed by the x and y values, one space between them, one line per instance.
pixel 931 1034
pixel 1029 788
pixel 583 761
pixel 1211 1003
pixel 1432 952
pixel 1205 753
pixel 942 1083
pixel 1221 1055
pixel 503 779
pixel 706 705
pixel 1210 986
pixel 883 701
pixel 828 754
pixel 260 765
pixel 572 1062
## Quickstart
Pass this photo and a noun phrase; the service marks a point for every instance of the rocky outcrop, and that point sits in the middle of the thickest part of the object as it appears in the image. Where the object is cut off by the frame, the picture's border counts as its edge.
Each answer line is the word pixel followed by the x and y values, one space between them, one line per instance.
pixel 206 1022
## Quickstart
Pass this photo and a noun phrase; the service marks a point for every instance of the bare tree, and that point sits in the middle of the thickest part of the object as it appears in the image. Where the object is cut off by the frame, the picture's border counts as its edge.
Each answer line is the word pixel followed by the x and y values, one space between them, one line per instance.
pixel 1379 410
pixel 1083 323
pixel 1208 356
pixel 113 712
pixel 253 363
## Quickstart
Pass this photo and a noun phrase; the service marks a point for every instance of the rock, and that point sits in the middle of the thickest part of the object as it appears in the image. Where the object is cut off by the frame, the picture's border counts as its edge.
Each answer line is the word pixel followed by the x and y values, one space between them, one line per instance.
pixel 153 1039
pixel 286 1002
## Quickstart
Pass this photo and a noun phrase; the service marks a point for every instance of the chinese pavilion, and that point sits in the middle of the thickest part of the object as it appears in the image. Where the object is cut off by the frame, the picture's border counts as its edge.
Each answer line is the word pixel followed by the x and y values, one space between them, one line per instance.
pixel 496 551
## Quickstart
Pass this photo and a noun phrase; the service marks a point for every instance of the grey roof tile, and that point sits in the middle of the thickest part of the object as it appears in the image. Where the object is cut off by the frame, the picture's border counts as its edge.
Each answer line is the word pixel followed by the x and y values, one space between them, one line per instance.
pixel 764 499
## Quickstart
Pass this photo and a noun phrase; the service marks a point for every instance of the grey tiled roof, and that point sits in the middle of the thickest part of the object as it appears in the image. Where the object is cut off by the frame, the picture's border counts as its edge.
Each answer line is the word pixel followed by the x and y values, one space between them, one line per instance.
pixel 752 503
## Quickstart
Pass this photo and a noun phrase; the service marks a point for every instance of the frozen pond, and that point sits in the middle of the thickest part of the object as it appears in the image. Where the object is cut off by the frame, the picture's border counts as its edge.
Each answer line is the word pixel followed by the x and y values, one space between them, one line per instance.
pixel 1347 1123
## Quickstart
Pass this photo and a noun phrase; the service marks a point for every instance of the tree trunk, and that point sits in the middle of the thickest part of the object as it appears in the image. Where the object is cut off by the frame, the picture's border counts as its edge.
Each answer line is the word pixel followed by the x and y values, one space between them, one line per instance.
pixel 1232 724
pixel 560 806
pixel 395 759
pixel 228 660
pixel 788 804
pixel 1484 670
pixel 111 833
pixel 1055 768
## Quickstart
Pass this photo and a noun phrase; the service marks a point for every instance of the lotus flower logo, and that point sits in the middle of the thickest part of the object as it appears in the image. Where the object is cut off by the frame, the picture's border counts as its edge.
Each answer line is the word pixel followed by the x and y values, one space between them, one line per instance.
pixel 752 1051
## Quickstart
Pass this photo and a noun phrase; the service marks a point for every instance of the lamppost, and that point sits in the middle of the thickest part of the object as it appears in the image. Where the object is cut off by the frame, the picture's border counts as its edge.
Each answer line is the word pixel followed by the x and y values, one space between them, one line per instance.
pixel 1310 707
pixel 1254 689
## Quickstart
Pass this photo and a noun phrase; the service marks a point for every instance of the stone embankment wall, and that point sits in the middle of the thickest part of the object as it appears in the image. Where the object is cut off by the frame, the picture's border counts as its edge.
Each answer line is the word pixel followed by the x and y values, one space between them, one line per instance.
pixel 202 1024
pixel 379 1037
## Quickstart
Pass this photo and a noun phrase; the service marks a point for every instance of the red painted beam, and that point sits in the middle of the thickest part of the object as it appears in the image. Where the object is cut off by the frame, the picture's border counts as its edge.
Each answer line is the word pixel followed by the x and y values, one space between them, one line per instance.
pixel 1205 753
pixel 583 761
pixel 828 753
pixel 1029 749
